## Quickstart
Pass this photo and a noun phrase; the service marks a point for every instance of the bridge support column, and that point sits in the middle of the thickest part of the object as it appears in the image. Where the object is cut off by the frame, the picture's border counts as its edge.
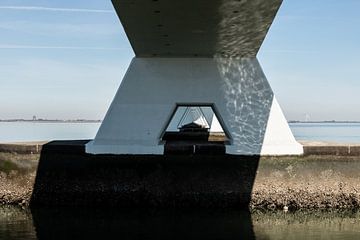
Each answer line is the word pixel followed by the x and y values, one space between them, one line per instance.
pixel 236 87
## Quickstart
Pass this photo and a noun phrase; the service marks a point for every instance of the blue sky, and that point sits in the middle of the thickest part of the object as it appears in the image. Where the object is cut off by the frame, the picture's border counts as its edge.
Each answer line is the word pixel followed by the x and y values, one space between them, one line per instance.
pixel 65 59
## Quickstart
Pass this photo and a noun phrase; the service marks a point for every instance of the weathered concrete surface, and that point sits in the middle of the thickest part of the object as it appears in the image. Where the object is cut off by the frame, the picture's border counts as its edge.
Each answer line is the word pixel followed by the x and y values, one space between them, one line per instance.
pixel 69 177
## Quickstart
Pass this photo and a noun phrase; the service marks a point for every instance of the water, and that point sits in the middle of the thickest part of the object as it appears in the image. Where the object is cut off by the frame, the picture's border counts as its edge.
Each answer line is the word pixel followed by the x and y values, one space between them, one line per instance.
pixel 102 223
pixel 330 132
pixel 34 131
pixel 28 131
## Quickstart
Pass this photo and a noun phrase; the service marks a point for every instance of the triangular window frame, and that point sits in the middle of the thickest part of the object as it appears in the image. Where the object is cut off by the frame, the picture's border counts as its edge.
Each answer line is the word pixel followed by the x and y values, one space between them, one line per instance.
pixel 214 110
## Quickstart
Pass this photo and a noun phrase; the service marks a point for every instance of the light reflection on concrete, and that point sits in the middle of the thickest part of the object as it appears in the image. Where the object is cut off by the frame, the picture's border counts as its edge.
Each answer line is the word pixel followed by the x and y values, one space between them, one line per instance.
pixel 244 25
pixel 248 98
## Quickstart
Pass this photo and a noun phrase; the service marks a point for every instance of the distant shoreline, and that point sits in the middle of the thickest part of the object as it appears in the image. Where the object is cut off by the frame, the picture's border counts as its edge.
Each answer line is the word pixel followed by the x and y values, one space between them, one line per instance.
pixel 52 121
pixel 323 121
pixel 99 121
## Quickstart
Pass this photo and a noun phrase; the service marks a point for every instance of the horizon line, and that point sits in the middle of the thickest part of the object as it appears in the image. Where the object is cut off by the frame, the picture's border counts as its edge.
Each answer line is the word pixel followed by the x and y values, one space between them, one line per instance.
pixel 83 119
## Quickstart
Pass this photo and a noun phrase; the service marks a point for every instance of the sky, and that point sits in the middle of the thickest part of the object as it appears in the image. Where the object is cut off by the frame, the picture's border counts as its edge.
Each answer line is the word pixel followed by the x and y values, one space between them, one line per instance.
pixel 64 59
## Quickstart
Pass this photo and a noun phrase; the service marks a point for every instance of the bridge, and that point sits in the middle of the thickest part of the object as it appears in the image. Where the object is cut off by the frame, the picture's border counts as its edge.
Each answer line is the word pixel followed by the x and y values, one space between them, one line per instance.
pixel 195 60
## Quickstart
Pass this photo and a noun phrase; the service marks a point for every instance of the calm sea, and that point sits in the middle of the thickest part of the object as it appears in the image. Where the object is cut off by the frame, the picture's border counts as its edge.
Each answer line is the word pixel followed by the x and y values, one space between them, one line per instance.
pixel 35 131
pixel 29 131
pixel 330 132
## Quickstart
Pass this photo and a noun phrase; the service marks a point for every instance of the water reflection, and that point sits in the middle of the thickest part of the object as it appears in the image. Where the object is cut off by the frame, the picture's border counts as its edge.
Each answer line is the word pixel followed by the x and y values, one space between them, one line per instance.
pixel 16 223
pixel 141 224
pixel 307 225
pixel 101 223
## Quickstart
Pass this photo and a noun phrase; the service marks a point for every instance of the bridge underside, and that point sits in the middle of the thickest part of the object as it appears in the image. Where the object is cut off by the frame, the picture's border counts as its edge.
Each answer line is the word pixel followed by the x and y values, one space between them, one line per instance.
pixel 190 28
pixel 199 53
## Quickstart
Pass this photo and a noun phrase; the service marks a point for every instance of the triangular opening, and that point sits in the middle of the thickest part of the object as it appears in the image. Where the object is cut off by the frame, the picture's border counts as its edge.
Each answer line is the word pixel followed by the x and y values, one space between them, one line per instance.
pixel 193 117
pixel 195 123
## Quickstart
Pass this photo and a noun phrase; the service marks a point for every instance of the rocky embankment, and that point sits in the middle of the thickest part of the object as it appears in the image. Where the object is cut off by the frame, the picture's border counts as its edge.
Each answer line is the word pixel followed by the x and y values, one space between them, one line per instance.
pixel 308 182
pixel 304 196
pixel 17 174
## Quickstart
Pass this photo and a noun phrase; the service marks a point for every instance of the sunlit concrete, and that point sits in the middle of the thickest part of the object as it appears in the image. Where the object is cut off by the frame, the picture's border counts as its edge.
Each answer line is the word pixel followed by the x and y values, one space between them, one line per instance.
pixel 195 52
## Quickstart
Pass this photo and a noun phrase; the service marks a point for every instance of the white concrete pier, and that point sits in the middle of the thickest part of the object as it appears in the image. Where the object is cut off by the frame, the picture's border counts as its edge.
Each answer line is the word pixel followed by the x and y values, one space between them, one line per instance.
pixel 203 56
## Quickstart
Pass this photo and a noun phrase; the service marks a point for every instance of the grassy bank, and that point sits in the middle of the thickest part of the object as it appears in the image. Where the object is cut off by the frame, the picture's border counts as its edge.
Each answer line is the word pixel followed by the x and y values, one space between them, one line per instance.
pixel 17 174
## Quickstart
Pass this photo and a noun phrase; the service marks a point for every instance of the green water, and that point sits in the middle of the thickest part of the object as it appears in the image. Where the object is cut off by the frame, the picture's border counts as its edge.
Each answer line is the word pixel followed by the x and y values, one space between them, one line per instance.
pixel 113 223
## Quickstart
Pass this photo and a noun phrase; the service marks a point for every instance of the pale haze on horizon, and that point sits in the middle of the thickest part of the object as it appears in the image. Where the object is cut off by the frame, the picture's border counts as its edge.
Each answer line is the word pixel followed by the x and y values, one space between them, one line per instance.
pixel 65 59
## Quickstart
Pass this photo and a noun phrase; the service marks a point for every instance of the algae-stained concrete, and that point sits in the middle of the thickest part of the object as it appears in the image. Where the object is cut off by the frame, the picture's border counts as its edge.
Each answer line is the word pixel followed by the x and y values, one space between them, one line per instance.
pixel 74 178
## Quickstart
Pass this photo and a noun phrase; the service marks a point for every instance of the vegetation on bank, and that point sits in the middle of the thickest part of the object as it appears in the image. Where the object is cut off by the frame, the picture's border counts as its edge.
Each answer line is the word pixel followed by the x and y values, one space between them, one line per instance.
pixel 18 163
pixel 294 182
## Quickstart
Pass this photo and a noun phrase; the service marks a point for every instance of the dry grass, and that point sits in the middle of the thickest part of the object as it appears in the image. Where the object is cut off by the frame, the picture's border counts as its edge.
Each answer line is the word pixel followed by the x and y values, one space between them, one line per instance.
pixel 19 163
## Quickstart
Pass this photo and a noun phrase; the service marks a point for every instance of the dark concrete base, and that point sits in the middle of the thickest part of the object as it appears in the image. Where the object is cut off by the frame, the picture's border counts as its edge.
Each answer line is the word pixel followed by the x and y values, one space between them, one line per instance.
pixel 68 176
pixel 188 148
